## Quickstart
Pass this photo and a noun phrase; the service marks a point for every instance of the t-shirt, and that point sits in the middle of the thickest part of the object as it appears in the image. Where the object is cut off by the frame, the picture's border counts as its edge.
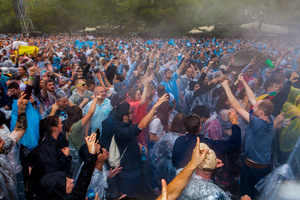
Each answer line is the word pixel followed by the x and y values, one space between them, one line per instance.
pixel 76 137
pixel 156 128
pixel 258 142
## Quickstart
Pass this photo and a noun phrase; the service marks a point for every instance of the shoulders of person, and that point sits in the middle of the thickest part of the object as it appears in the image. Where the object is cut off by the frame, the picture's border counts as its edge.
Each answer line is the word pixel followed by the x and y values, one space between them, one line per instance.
pixel 88 93
pixel 76 126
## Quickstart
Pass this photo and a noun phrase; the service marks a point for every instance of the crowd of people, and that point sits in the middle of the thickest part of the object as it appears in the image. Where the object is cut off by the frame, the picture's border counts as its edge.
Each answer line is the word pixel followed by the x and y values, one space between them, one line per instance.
pixel 112 117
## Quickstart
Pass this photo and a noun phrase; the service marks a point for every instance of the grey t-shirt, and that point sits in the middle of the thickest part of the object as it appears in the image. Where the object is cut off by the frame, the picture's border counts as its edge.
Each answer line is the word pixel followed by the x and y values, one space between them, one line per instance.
pixel 258 143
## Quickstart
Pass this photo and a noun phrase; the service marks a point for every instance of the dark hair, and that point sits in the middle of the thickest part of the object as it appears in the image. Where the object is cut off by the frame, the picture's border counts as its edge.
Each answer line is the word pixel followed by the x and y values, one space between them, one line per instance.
pixel 161 90
pixel 46 126
pixel 192 84
pixel 13 85
pixel 192 124
pixel 213 56
pixel 132 92
pixel 221 103
pixel 267 106
pixel 122 110
pixel 2 118
pixel 268 84
pixel 90 82
pixel 166 71
pixel 116 100
pixel 120 77
pixel 24 68
pixel 74 115
pixel 201 111
pixel 178 124
pixel 162 114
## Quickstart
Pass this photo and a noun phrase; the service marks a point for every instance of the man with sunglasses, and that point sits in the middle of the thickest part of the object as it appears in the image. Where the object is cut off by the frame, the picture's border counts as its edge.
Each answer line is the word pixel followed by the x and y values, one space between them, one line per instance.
pixel 81 96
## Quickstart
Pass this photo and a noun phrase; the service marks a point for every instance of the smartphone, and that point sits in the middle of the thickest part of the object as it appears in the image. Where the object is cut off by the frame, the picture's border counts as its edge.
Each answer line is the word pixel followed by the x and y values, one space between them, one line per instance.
pixel 98 134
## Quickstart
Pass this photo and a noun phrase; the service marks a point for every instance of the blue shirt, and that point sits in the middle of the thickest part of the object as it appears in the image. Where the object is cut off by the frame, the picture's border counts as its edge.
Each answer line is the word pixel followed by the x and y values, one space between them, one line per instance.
pixel 258 143
pixel 171 86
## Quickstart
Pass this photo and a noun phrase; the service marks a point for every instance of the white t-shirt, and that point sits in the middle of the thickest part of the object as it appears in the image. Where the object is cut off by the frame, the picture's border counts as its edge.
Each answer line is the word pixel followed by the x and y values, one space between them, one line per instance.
pixel 156 128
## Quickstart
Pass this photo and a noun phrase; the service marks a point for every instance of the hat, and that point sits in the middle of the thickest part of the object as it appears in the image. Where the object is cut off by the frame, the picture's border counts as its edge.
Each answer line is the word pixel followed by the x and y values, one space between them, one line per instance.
pixel 4 70
pixel 210 161
pixel 223 67
pixel 5 58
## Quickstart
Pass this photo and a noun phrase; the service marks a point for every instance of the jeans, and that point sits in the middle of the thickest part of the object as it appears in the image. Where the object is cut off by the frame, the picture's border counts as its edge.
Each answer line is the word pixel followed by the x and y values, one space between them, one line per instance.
pixel 249 177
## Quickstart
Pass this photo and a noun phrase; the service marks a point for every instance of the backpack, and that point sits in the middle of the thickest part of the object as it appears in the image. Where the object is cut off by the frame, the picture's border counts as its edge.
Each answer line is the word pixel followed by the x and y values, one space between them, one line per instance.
pixel 114 158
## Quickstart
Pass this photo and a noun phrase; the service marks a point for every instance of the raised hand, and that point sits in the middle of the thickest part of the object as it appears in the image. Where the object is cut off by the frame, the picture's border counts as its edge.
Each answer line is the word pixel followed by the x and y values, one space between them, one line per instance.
pixel 225 83
pixel 114 172
pixel 233 117
pixel 91 143
pixel 22 102
pixel 241 78
pixel 198 155
pixel 161 100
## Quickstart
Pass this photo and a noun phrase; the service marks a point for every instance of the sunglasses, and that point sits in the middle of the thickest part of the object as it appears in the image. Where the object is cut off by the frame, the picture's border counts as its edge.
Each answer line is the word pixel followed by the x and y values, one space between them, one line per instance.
pixel 83 84
pixel 101 151
pixel 79 71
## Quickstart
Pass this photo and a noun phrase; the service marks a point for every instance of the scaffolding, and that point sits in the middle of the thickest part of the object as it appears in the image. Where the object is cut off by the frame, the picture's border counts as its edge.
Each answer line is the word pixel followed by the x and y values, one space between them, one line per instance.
pixel 22 13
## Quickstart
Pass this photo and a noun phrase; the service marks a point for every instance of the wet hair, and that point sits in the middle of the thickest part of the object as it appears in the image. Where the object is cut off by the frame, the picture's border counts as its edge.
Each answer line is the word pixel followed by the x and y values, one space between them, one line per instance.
pixel 201 111
pixel 59 94
pixel 162 114
pixel 122 110
pixel 267 106
pixel 192 124
pixel 74 115
pixel 178 124
pixel 13 85
pixel 47 125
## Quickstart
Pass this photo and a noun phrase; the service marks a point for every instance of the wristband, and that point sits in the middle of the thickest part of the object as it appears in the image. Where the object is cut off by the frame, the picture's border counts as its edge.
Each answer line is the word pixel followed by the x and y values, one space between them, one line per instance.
pixel 32 78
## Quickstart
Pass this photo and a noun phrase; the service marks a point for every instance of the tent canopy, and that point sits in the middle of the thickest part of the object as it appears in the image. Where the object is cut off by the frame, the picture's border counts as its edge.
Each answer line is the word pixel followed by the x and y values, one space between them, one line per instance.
pixel 265 28
pixel 202 29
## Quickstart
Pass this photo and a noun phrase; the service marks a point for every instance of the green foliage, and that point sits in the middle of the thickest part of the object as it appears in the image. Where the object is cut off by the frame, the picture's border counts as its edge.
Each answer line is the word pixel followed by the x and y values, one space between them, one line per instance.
pixel 153 17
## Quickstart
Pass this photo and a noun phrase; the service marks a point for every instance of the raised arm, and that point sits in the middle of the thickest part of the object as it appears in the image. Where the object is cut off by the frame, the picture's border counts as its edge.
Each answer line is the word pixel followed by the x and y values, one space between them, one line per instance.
pixel 234 103
pixel 248 90
pixel 21 124
pixel 147 119
pixel 90 113
pixel 178 184
pixel 181 66
pixel 146 82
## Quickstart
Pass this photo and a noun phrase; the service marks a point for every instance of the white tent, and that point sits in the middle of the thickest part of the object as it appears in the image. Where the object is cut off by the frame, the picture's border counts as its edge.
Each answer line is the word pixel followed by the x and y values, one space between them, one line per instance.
pixel 202 29
pixel 265 28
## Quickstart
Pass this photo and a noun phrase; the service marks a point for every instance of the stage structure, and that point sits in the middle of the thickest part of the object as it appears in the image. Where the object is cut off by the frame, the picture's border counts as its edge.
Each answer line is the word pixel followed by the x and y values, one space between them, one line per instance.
pixel 22 13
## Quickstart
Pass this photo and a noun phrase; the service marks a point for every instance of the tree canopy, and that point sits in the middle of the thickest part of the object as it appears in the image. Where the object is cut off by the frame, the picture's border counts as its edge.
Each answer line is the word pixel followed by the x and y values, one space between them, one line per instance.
pixel 156 17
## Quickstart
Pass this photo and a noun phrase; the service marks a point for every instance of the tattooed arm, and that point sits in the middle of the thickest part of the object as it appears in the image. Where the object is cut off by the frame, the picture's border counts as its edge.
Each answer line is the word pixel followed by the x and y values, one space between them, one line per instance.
pixel 21 124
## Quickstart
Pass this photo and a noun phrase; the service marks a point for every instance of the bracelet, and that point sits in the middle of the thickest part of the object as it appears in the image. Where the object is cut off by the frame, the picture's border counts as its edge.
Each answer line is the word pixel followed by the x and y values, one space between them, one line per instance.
pixel 32 78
